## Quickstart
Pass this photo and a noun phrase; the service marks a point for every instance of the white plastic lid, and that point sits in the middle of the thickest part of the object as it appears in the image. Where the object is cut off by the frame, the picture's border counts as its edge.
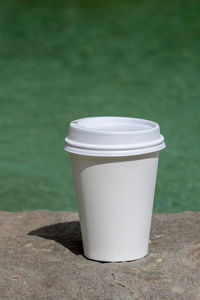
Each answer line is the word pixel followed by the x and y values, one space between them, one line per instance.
pixel 113 136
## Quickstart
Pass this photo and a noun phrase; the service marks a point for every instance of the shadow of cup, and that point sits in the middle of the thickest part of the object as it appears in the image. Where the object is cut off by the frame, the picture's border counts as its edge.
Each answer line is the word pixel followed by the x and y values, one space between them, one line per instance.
pixel 67 234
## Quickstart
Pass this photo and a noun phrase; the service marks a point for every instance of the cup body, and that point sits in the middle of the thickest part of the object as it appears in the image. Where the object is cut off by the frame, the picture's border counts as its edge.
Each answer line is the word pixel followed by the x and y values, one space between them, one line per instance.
pixel 115 198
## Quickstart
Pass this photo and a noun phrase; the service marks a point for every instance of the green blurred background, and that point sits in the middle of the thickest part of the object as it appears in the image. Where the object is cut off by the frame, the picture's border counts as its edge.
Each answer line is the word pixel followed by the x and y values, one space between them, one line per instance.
pixel 63 60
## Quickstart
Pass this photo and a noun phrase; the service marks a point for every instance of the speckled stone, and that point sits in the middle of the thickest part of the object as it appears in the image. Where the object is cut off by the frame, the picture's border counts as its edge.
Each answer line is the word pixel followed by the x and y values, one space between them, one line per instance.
pixel 41 257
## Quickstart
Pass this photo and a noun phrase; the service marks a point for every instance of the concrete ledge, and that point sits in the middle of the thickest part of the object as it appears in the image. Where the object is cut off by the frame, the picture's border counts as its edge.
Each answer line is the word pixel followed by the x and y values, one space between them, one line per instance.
pixel 41 257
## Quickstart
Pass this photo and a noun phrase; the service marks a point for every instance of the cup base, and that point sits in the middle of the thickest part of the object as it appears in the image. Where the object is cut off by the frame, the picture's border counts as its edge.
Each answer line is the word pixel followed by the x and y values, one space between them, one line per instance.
pixel 106 260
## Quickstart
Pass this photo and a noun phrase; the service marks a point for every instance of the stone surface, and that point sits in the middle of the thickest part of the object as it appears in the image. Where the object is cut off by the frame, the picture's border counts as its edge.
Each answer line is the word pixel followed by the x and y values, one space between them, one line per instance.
pixel 41 257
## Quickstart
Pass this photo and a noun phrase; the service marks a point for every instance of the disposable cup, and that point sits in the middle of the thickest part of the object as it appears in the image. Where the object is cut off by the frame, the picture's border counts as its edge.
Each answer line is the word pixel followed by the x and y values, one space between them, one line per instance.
pixel 114 162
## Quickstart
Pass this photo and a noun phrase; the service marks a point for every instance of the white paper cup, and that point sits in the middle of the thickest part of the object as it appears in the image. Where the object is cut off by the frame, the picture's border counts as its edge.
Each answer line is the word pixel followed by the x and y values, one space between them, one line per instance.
pixel 114 161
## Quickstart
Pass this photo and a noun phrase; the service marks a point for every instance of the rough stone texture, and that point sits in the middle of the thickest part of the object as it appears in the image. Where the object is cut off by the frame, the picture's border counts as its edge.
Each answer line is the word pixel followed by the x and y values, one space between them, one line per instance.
pixel 41 257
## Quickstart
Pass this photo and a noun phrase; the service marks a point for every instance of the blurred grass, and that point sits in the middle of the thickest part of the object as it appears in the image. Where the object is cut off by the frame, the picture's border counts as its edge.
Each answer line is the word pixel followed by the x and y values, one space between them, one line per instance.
pixel 62 60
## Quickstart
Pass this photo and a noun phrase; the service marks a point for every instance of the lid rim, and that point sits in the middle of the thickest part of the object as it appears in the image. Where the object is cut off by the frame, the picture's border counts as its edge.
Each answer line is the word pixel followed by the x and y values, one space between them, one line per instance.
pixel 114 147
pixel 116 153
